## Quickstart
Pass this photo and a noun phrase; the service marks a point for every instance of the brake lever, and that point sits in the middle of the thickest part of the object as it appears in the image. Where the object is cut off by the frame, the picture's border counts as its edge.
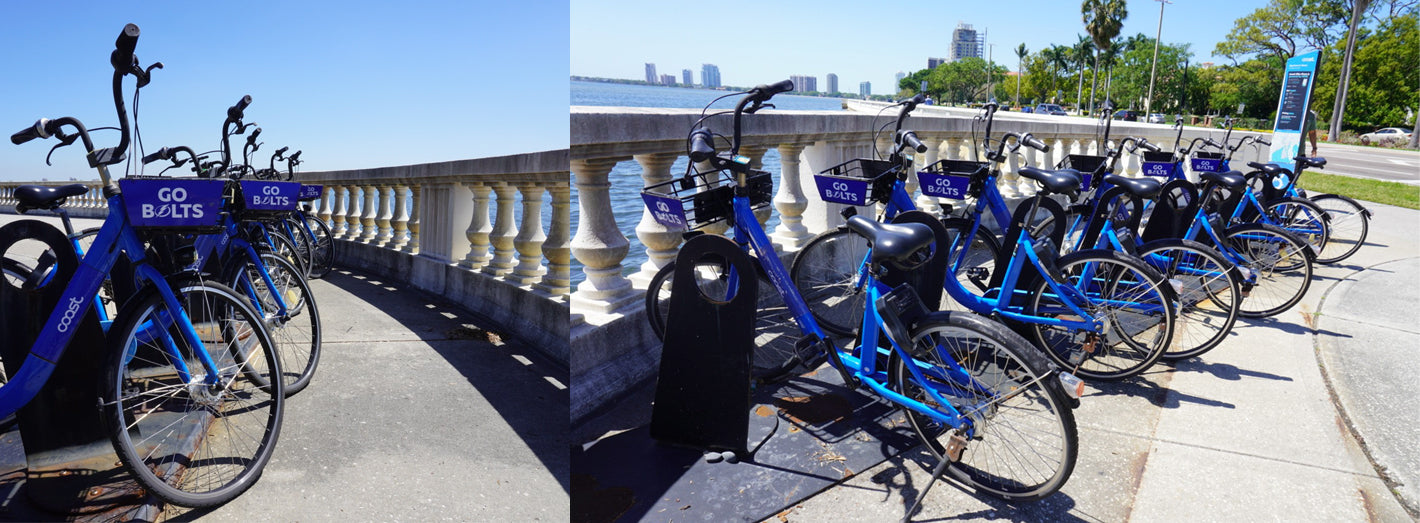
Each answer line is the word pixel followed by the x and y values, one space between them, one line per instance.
pixel 757 106
pixel 147 75
pixel 64 139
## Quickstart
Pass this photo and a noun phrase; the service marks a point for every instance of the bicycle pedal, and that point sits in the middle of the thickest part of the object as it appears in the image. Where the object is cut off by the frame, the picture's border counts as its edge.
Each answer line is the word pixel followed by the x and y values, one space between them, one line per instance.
pixel 955 445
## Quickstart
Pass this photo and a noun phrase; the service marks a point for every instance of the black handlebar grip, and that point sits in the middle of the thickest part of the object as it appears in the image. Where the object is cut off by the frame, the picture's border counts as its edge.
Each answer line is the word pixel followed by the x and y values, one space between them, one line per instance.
pixel 1035 143
pixel 282 151
pixel 252 139
pixel 161 154
pixel 909 138
pixel 235 112
pixel 31 132
pixel 295 157
pixel 1263 142
pixel 1212 143
pixel 1148 146
pixel 127 39
pixel 702 145
pixel 780 87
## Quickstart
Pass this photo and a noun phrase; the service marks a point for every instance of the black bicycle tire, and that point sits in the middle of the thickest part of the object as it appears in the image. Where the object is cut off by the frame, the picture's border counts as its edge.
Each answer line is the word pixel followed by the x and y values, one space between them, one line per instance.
pixel 296 379
pixel 1329 254
pixel 1234 297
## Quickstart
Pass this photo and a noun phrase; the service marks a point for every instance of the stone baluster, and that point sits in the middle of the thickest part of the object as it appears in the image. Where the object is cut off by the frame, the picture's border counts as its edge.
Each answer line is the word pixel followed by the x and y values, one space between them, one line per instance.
pixel 479 227
pixel 530 237
pixel 352 217
pixel 399 225
pixel 599 245
pixel 342 203
pixel 504 231
pixel 558 279
pixel 924 202
pixel 660 242
pixel 412 246
pixel 384 216
pixel 790 201
pixel 326 204
pixel 370 210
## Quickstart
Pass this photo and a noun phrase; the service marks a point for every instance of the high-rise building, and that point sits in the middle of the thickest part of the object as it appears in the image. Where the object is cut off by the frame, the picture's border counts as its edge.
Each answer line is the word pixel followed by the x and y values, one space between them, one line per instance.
pixel 687 77
pixel 897 80
pixel 865 89
pixel 710 75
pixel 651 77
pixel 832 83
pixel 967 43
pixel 804 83
pixel 932 63
pixel 667 79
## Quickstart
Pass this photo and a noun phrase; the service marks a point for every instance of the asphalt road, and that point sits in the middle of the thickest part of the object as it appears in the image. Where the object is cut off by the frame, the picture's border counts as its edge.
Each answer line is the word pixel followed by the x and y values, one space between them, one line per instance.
pixel 1371 162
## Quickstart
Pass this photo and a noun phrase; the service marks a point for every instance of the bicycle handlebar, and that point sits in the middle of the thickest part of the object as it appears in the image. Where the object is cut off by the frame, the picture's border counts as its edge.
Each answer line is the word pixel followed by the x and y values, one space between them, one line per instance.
pixel 1034 143
pixel 702 145
pixel 42 128
pixel 235 112
pixel 909 139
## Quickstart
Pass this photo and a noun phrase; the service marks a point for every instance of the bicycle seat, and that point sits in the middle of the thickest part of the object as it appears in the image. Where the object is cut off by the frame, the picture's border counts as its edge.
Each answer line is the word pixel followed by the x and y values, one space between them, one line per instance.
pixel 1271 169
pixel 41 197
pixel 1146 188
pixel 892 241
pixel 1060 181
pixel 1231 180
pixel 1314 161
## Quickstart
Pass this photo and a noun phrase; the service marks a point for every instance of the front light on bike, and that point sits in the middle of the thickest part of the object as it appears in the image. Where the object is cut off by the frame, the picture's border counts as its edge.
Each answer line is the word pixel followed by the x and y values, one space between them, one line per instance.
pixel 1073 385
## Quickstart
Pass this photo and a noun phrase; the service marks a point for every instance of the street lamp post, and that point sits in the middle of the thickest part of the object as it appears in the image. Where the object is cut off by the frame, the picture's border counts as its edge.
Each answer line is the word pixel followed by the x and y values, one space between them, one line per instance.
pixel 1148 102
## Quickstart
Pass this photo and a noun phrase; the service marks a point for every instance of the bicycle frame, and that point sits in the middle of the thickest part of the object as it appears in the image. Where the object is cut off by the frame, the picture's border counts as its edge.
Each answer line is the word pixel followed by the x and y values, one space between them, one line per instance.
pixel 229 240
pixel 115 236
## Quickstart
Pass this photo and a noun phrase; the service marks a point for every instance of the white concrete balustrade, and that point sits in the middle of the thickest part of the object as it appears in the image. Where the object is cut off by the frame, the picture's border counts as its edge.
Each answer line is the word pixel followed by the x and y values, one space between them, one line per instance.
pixel 435 227
pixel 612 347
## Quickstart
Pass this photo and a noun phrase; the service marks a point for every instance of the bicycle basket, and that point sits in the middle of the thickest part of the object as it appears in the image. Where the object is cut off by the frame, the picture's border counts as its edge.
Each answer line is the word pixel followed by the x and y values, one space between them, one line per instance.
pixel 1203 161
pixel 310 192
pixel 953 179
pixel 703 198
pixel 264 199
pixel 1157 164
pixel 1087 165
pixel 186 205
pixel 859 181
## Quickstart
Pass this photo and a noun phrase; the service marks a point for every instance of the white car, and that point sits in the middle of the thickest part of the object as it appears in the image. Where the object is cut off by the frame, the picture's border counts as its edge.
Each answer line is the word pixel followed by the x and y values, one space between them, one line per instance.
pixel 1389 134
pixel 1156 118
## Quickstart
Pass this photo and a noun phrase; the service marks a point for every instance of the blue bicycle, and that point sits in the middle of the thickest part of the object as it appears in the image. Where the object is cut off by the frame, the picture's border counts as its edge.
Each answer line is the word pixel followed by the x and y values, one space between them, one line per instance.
pixel 188 398
pixel 987 405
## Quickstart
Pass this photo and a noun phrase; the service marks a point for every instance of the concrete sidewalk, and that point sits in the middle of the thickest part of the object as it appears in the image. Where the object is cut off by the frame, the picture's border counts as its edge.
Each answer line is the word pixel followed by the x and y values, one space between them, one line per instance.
pixel 1306 416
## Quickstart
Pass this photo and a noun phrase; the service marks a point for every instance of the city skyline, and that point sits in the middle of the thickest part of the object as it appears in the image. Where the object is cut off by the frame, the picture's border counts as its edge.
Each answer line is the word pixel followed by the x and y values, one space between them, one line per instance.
pixel 607 31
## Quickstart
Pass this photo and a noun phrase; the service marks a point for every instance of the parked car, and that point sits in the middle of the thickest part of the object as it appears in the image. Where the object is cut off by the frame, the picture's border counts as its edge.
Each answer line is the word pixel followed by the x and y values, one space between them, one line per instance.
pixel 1026 109
pixel 1388 134
pixel 1156 118
pixel 1050 109
pixel 1126 115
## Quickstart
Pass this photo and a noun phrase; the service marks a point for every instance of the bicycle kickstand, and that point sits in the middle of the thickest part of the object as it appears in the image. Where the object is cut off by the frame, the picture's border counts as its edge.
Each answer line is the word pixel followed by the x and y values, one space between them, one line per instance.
pixel 936 475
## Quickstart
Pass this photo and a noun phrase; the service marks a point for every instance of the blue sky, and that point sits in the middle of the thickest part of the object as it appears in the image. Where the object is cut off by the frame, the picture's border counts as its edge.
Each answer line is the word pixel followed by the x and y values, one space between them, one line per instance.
pixel 351 83
pixel 754 41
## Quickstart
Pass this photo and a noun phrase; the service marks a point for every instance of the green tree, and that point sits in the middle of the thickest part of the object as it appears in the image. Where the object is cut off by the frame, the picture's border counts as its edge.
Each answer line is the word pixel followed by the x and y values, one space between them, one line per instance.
pixel 1021 53
pixel 1103 19
pixel 1080 54
pixel 1384 79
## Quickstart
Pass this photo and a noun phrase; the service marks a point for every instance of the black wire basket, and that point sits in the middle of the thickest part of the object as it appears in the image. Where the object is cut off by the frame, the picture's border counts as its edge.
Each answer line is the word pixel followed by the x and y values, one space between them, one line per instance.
pixel 700 199
pixel 310 192
pixel 1158 164
pixel 953 178
pixel 264 199
pixel 859 181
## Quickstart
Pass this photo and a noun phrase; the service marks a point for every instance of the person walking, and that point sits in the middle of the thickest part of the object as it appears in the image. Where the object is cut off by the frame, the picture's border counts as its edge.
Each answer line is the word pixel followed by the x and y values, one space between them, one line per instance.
pixel 1310 127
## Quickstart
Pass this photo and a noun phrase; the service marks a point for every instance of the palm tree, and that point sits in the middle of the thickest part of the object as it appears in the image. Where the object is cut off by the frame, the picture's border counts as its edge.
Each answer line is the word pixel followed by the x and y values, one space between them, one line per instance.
pixel 1103 20
pixel 1111 57
pixel 1079 54
pixel 1021 53
pixel 1057 57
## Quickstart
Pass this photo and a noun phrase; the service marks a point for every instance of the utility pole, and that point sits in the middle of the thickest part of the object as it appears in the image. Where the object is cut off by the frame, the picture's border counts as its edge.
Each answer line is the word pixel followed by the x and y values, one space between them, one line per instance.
pixel 990 51
pixel 1148 102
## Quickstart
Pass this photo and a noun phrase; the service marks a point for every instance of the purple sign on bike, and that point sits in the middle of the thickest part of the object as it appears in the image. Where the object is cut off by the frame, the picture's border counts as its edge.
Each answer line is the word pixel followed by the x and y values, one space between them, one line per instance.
pixel 310 192
pixel 1206 165
pixel 269 196
pixel 849 191
pixel 943 185
pixel 1157 168
pixel 665 210
pixel 1085 181
pixel 173 202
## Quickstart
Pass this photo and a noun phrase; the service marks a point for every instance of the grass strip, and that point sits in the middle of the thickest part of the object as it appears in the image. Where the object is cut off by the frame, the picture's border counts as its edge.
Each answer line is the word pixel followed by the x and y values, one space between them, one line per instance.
pixel 1389 193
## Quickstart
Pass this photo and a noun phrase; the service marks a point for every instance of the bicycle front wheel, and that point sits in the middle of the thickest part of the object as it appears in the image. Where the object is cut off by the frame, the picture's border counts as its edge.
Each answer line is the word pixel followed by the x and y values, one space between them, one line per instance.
pixel 322 248
pixel 826 273
pixel 1349 224
pixel 1128 296
pixel 187 439
pixel 775 331
pixel 1021 443
pixel 297 332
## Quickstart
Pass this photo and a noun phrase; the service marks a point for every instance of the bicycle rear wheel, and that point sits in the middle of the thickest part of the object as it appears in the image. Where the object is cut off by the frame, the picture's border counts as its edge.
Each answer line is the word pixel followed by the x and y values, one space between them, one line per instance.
pixel 1209 292
pixel 1349 225
pixel 1281 263
pixel 187 442
pixel 1022 443
pixel 1304 219
pixel 775 331
pixel 322 248
pixel 1129 296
